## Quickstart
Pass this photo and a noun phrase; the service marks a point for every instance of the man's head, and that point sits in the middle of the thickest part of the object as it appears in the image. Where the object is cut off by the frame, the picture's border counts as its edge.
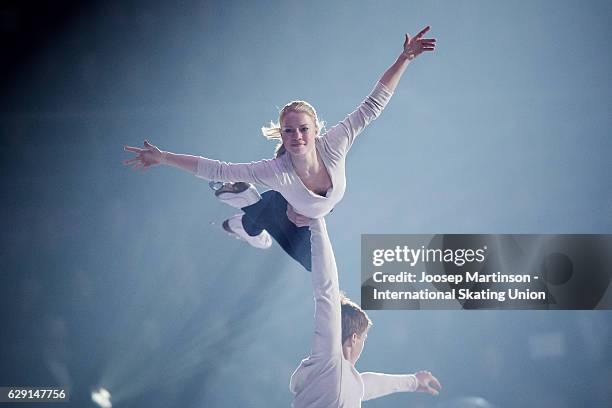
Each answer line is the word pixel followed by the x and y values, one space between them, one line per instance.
pixel 355 325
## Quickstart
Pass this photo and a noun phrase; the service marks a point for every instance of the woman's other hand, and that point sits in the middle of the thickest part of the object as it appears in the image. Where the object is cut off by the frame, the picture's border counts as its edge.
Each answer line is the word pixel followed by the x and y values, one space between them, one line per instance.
pixel 146 157
pixel 414 46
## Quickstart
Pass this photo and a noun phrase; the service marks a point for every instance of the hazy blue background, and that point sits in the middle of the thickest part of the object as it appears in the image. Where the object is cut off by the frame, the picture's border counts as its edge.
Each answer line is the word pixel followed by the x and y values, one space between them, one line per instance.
pixel 118 279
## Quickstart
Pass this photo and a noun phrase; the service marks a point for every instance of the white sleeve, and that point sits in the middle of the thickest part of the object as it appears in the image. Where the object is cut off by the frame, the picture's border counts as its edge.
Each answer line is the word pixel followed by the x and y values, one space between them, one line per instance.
pixel 263 172
pixel 328 326
pixel 340 138
pixel 377 385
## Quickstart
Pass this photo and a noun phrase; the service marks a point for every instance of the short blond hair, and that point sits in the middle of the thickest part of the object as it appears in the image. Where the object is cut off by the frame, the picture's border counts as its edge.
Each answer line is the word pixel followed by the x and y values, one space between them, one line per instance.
pixel 273 132
pixel 354 319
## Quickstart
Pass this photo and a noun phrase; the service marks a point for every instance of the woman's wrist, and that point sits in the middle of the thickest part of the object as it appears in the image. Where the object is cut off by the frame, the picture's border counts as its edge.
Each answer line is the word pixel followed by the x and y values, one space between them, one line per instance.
pixel 164 157
pixel 405 57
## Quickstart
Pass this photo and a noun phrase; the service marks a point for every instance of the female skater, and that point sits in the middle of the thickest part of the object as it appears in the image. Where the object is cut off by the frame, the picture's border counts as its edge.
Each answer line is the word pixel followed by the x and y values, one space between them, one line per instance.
pixel 308 172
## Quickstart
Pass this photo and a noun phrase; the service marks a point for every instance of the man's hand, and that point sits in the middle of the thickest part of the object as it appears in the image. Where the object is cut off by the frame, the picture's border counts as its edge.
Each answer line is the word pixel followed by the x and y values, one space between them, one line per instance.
pixel 298 219
pixel 428 383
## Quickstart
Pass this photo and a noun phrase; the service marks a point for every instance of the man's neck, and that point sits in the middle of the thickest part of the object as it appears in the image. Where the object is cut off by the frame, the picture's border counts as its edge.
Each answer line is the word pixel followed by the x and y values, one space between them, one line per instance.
pixel 346 352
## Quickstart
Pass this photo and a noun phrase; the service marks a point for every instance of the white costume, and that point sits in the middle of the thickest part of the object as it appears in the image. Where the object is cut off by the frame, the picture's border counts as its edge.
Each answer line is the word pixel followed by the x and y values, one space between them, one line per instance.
pixel 326 378
pixel 278 174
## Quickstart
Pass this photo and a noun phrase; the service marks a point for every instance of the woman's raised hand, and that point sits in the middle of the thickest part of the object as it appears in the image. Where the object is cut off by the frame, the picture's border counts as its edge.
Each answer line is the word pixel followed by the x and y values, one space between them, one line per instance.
pixel 414 46
pixel 146 157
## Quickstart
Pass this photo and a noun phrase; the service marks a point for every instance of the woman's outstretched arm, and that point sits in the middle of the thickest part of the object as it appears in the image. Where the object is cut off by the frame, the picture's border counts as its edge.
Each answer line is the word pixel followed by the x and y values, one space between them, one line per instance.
pixel 263 172
pixel 340 138
pixel 413 47
pixel 150 155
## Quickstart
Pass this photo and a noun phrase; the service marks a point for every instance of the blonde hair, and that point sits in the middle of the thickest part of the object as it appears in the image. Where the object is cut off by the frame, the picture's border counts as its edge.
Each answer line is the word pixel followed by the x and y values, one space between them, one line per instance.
pixel 273 132
pixel 354 319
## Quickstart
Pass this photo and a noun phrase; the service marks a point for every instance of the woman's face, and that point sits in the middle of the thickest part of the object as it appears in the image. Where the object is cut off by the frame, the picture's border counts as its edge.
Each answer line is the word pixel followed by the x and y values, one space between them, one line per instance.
pixel 298 132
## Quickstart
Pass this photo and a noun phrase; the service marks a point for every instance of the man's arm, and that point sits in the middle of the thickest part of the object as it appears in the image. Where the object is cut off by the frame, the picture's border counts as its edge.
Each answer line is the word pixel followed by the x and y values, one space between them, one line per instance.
pixel 378 385
pixel 328 326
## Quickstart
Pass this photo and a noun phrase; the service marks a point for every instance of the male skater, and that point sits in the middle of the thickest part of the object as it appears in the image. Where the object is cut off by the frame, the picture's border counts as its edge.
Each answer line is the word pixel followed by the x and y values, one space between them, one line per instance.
pixel 328 378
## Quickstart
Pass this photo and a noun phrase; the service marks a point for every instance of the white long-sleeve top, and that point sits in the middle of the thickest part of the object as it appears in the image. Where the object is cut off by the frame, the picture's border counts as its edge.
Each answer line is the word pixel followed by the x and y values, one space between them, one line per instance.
pixel 326 378
pixel 278 174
